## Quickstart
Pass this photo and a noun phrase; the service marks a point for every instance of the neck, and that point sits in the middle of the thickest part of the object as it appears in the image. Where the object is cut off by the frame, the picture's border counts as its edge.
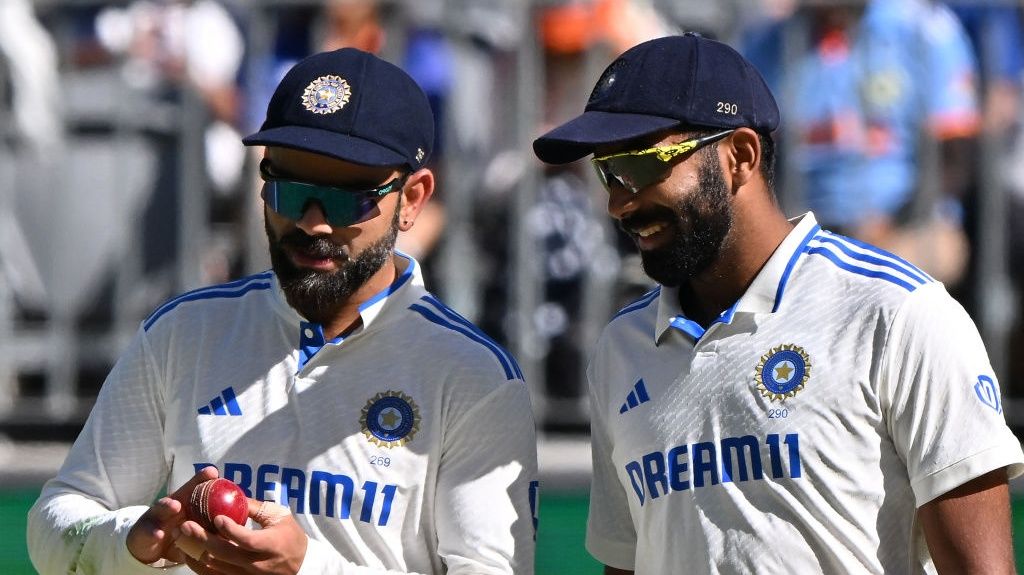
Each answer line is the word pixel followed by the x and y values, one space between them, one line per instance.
pixel 750 243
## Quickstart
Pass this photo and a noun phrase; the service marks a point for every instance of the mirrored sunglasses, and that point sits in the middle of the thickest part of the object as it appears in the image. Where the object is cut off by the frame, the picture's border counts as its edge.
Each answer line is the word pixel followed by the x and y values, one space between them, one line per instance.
pixel 341 206
pixel 637 169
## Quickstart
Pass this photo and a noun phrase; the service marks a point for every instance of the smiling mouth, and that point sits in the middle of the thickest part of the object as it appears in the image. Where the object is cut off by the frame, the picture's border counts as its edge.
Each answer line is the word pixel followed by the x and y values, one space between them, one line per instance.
pixel 648 231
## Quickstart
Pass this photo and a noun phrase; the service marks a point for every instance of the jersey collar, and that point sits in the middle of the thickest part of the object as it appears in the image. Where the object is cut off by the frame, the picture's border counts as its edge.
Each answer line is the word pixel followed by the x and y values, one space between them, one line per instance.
pixel 764 294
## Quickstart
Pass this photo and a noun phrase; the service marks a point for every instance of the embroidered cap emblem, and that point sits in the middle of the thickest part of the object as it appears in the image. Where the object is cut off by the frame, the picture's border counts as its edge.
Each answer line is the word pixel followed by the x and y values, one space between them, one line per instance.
pixel 326 95
pixel 607 80
pixel 390 419
pixel 782 372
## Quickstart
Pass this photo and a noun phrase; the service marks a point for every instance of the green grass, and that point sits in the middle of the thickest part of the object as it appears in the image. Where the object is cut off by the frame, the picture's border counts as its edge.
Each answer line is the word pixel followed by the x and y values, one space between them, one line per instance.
pixel 563 517
pixel 562 520
pixel 13 552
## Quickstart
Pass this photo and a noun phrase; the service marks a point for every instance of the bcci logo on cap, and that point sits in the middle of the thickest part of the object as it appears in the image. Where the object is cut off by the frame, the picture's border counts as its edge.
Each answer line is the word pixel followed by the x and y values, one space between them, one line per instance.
pixel 390 419
pixel 782 372
pixel 326 95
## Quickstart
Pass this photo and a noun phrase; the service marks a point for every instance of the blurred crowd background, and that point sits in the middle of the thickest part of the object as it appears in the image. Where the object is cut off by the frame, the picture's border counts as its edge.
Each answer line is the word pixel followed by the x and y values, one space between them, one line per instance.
pixel 123 181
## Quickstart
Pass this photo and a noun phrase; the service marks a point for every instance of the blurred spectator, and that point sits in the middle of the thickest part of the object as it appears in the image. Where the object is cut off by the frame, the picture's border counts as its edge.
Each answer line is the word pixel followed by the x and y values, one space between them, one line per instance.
pixel 884 99
pixel 172 51
pixel 166 43
pixel 995 31
pixel 352 24
pixel 28 59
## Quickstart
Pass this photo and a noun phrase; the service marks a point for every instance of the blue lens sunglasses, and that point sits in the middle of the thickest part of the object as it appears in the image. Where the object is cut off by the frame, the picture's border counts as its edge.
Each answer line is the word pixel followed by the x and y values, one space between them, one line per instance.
pixel 341 206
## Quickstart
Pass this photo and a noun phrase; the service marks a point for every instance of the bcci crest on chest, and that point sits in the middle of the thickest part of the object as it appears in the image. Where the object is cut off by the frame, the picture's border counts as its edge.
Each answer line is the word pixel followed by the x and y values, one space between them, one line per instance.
pixel 390 419
pixel 782 372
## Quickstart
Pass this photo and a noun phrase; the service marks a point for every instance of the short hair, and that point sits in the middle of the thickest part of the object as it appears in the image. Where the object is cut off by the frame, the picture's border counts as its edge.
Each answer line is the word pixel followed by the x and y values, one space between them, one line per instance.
pixel 767 159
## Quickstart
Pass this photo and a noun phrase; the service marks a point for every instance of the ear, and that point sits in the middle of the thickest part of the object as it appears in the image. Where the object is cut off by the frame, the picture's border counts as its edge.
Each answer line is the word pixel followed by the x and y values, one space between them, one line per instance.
pixel 418 189
pixel 743 156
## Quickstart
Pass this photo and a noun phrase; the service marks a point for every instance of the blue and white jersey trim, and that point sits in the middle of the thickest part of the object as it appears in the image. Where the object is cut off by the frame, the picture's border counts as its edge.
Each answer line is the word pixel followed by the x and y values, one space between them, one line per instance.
pixel 644 301
pixel 866 260
pixel 234 289
pixel 399 282
pixel 791 264
pixel 436 312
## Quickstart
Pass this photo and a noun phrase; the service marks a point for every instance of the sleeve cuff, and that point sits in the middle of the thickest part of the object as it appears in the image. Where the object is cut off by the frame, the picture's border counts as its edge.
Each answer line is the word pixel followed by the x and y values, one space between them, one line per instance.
pixel 1007 454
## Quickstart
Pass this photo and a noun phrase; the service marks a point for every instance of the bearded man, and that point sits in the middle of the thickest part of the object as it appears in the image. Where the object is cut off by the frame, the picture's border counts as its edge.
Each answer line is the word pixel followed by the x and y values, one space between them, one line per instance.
pixel 372 428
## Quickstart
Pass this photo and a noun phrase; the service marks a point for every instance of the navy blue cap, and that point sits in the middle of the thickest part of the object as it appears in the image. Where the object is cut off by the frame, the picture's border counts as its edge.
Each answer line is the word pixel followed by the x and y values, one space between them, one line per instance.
pixel 687 81
pixel 351 105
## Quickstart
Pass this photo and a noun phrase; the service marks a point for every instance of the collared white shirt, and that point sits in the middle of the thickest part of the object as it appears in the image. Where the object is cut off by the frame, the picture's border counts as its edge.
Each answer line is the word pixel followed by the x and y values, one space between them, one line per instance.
pixel 386 444
pixel 801 430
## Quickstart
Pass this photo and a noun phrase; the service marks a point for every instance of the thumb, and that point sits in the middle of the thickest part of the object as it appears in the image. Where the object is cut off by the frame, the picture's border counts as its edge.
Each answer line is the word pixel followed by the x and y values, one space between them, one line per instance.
pixel 267 513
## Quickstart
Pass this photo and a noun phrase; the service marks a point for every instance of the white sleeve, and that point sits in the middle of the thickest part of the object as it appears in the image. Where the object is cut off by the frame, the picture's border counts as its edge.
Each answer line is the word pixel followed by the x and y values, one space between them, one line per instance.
pixel 115 469
pixel 611 537
pixel 484 506
pixel 942 400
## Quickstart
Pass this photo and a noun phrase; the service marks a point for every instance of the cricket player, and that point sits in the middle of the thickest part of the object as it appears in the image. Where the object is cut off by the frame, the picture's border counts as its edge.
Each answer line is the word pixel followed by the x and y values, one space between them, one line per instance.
pixel 786 400
pixel 373 428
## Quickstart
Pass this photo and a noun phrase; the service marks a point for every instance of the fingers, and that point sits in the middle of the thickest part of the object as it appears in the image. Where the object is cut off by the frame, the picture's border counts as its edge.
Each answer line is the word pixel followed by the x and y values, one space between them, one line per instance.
pixel 148 539
pixel 211 550
pixel 192 545
pixel 164 510
pixel 182 493
pixel 208 568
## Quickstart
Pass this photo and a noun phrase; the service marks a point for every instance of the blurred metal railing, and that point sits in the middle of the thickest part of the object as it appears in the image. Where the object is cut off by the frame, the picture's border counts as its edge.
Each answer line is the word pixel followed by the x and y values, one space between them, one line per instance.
pixel 51 360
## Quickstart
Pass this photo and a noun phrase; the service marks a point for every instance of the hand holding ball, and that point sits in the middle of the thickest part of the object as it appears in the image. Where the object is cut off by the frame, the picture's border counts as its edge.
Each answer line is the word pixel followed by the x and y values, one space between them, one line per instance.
pixel 217 497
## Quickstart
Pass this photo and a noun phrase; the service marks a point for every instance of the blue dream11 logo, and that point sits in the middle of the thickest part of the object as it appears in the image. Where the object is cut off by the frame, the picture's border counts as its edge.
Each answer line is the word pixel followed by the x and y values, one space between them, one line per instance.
pixel 705 463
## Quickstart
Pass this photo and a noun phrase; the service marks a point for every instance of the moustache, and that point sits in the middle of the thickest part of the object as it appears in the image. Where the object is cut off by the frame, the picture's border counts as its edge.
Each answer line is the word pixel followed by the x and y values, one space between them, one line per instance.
pixel 312 246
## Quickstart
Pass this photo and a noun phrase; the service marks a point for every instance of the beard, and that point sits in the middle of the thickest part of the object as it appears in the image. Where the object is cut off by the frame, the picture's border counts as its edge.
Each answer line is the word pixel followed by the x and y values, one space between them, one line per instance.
pixel 317 295
pixel 699 225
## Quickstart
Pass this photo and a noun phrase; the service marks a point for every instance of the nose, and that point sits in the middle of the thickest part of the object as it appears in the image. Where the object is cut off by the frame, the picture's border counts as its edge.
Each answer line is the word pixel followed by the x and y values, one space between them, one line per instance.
pixel 314 220
pixel 621 202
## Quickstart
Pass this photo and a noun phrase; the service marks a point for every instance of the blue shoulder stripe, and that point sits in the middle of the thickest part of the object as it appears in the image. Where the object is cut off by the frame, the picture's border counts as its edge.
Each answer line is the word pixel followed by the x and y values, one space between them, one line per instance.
pixel 888 260
pixel 511 370
pixel 233 289
pixel 455 317
pixel 881 252
pixel 644 301
pixel 835 259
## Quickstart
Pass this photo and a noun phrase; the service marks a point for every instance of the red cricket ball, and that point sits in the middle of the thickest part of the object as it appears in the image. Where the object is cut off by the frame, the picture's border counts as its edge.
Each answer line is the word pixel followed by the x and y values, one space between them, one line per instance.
pixel 217 497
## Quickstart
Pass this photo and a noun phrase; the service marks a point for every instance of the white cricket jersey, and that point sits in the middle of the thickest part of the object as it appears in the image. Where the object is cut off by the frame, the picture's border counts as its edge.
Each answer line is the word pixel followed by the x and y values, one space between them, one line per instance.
pixel 408 446
pixel 800 432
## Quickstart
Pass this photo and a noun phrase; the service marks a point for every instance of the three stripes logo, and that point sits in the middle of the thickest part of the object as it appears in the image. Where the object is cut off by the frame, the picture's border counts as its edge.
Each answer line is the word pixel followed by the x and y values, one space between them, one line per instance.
pixel 637 396
pixel 224 404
